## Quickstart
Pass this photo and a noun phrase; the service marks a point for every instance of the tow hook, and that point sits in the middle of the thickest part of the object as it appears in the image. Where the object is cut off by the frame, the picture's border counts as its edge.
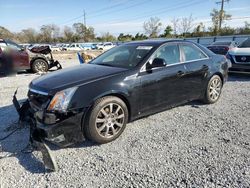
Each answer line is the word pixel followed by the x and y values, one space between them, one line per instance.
pixel 35 141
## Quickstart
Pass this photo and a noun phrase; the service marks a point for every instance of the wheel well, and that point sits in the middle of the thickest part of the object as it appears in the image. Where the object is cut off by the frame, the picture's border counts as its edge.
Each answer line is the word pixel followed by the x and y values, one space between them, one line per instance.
pixel 221 76
pixel 124 99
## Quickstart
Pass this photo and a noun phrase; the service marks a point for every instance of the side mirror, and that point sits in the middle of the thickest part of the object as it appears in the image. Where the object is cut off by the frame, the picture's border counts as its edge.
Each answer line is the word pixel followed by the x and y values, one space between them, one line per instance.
pixel 157 62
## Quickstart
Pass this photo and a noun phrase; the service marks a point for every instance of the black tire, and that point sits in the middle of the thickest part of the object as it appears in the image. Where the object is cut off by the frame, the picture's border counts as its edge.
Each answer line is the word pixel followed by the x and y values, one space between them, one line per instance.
pixel 213 91
pixel 40 65
pixel 102 132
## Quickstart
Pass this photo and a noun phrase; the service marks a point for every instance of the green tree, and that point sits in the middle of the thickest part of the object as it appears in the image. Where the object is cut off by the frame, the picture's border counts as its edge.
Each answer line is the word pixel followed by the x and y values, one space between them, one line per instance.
pixel 199 30
pixel 139 36
pixel 124 38
pixel 215 16
pixel 84 33
pixel 167 32
pixel 107 37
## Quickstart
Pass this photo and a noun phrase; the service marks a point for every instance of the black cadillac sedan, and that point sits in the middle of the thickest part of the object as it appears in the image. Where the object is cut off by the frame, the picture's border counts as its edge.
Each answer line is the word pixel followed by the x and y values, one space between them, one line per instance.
pixel 133 80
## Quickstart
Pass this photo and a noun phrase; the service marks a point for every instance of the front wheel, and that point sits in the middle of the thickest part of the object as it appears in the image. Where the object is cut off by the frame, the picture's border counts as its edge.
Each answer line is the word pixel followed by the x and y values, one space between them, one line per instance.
pixel 107 120
pixel 214 89
pixel 40 65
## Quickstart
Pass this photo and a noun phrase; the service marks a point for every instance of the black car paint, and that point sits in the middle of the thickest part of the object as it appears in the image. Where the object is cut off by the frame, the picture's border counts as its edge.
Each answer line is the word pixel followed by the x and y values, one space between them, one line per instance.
pixel 136 87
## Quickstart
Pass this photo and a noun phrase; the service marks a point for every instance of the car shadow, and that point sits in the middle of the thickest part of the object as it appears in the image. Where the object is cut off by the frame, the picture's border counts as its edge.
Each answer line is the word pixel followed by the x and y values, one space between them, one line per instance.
pixel 15 144
pixel 242 77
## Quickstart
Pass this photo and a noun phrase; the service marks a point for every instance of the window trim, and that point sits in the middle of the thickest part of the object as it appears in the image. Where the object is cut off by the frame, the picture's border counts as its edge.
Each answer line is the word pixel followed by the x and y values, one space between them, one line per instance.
pixel 143 67
pixel 185 44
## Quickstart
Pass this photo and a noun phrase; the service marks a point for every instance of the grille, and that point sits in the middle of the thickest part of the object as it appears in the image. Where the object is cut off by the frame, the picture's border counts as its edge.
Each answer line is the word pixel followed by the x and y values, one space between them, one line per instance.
pixel 241 58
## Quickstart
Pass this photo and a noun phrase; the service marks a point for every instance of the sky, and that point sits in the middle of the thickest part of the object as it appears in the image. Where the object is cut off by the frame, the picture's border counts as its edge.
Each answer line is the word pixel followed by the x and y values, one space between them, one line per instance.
pixel 114 16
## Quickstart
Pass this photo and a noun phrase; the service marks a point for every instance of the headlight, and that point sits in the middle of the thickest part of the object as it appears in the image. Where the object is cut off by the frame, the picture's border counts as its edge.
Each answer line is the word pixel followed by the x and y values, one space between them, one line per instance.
pixel 61 100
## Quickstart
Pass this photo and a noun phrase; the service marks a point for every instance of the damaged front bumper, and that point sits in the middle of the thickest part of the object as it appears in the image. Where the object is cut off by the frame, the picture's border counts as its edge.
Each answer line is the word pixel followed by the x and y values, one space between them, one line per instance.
pixel 60 132
pixel 60 129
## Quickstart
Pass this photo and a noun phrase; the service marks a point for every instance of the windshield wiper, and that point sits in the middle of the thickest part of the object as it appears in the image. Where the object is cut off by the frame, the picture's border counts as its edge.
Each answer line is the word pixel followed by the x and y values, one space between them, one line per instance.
pixel 104 64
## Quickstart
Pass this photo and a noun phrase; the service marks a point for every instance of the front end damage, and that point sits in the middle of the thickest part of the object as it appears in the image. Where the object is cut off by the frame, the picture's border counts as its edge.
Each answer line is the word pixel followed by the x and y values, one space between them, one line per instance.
pixel 61 129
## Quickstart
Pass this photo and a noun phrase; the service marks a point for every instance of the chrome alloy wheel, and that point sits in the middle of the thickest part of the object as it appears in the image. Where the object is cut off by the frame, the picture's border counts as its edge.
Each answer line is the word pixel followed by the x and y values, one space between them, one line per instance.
pixel 215 89
pixel 110 120
pixel 40 66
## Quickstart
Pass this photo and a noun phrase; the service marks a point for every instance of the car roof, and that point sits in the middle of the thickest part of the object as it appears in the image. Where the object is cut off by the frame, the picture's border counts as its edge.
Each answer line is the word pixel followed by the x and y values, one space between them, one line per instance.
pixel 156 42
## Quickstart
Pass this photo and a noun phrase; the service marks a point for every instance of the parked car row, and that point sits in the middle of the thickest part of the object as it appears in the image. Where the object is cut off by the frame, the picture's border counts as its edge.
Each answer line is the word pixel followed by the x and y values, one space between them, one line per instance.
pixel 35 59
pixel 74 46
pixel 238 54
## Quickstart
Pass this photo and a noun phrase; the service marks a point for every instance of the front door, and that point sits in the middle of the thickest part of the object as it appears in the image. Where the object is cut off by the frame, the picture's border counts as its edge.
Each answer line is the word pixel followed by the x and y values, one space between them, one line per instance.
pixel 163 87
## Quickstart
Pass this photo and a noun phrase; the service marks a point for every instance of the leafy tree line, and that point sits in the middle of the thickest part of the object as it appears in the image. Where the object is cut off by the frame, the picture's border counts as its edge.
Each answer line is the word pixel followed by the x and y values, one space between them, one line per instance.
pixel 153 28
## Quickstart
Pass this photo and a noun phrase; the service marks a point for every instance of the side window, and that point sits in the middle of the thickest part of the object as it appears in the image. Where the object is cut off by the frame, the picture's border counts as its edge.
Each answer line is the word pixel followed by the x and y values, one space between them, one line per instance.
pixel 170 53
pixel 192 53
pixel 13 45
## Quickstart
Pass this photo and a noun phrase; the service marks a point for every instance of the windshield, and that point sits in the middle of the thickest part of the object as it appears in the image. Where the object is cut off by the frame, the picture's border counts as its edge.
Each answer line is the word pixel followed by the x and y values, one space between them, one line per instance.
pixel 245 44
pixel 13 45
pixel 125 56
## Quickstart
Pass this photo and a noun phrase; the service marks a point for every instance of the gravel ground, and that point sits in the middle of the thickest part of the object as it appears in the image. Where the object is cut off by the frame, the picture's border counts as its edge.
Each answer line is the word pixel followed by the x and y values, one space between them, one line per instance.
pixel 193 145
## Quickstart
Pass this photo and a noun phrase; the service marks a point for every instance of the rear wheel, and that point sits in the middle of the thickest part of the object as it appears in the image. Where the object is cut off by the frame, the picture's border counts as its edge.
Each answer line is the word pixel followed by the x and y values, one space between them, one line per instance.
pixel 40 65
pixel 213 91
pixel 107 120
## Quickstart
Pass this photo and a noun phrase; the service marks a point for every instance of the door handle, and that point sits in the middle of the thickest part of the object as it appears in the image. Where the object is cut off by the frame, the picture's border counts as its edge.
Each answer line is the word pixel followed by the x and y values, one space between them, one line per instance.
pixel 204 68
pixel 180 73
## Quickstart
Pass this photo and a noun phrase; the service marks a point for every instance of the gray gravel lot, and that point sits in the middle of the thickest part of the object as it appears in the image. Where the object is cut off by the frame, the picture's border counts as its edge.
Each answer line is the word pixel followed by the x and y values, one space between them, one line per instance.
pixel 193 145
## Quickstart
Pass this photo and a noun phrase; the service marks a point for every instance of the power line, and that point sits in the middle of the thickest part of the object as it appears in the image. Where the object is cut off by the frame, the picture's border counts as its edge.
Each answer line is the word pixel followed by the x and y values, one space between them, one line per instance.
pixel 110 7
pixel 72 19
pixel 163 11
pixel 84 13
pixel 131 6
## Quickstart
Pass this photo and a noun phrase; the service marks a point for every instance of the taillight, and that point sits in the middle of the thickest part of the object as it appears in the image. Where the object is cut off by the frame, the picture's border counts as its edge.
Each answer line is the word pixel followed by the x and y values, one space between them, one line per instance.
pixel 226 48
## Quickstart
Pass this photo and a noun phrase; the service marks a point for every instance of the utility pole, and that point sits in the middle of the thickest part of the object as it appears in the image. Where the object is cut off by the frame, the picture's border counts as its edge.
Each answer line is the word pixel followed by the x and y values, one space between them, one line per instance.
pixel 84 16
pixel 221 12
pixel 85 26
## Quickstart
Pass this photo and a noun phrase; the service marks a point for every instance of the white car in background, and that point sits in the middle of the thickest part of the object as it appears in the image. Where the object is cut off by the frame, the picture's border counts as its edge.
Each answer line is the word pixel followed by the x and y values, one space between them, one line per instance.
pixel 74 47
pixel 55 48
pixel 240 57
pixel 105 46
pixel 86 46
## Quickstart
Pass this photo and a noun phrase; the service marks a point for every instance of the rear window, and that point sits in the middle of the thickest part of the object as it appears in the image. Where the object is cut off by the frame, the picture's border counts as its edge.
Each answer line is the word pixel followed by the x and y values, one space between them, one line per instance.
pixel 222 43
pixel 245 44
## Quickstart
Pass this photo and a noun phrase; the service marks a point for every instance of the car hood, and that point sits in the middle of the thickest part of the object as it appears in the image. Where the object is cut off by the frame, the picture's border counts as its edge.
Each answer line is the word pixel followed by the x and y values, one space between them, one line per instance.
pixel 239 51
pixel 70 77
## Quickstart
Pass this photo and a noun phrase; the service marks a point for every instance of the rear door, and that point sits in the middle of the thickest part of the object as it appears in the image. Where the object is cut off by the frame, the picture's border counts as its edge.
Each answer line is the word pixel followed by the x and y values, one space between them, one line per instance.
pixel 198 64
